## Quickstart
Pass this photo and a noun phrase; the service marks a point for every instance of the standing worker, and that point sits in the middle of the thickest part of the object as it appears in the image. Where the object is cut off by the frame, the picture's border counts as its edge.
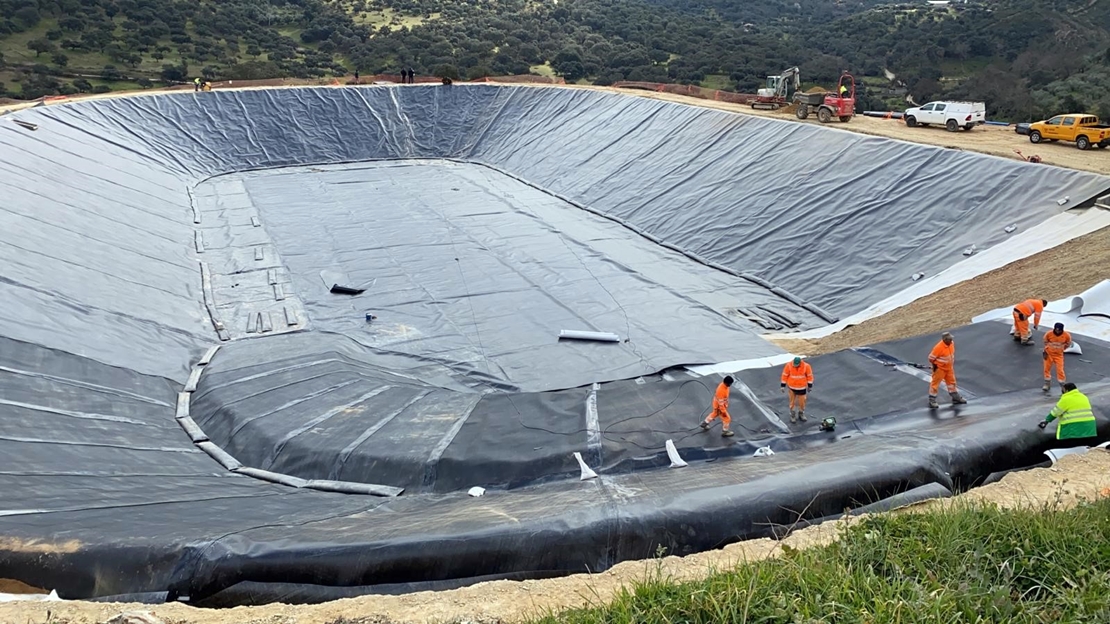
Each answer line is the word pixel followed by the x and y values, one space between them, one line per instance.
pixel 720 408
pixel 1022 312
pixel 1077 420
pixel 943 359
pixel 1055 343
pixel 196 84
pixel 798 377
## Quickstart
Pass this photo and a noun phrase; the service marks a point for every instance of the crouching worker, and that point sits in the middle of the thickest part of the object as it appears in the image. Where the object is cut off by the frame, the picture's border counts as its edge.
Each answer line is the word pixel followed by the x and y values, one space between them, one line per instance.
pixel 720 408
pixel 1077 420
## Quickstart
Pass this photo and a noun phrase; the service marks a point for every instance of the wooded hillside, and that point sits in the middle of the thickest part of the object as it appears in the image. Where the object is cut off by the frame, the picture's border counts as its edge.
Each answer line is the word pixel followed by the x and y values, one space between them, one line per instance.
pixel 1025 58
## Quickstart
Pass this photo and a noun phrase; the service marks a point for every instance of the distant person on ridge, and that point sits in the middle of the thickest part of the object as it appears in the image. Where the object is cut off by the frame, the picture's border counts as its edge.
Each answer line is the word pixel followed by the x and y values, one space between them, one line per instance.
pixel 720 408
pixel 943 359
pixel 1077 419
pixel 1022 312
pixel 1055 343
pixel 798 377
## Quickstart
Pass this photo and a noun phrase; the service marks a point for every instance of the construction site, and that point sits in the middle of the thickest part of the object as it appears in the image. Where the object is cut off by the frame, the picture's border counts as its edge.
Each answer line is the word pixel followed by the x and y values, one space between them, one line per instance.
pixel 295 345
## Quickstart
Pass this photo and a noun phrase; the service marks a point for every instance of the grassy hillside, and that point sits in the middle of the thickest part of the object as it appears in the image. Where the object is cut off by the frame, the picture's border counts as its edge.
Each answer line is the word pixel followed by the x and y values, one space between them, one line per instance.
pixel 968 564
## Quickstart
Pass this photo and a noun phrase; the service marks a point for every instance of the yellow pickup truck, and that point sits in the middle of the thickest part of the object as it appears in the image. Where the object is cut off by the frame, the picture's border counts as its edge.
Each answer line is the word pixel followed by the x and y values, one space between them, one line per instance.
pixel 1082 129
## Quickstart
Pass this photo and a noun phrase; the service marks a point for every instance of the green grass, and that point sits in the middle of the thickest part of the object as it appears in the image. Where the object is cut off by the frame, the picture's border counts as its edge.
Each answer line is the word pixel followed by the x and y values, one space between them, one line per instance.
pixel 389 17
pixel 717 81
pixel 543 70
pixel 962 69
pixel 14 46
pixel 965 564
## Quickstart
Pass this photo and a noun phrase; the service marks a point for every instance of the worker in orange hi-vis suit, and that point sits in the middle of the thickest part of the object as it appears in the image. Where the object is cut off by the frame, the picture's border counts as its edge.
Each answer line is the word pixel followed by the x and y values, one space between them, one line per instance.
pixel 720 408
pixel 943 359
pixel 1055 343
pixel 1022 312
pixel 798 377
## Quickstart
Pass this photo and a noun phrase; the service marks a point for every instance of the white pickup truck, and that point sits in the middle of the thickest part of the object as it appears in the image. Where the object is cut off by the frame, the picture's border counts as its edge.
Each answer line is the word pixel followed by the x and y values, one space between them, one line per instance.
pixel 951 115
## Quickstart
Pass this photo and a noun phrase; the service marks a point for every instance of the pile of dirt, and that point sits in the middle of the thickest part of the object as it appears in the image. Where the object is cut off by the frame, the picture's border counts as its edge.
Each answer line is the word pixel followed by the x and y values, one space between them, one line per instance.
pixel 10 586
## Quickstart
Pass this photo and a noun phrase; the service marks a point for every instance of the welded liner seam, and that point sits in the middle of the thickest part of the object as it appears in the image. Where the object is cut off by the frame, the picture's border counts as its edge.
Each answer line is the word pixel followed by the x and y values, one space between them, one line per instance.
pixel 198 437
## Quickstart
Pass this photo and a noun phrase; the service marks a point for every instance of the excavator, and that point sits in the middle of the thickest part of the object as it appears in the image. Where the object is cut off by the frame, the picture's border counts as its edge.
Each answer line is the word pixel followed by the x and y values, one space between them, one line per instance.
pixel 778 90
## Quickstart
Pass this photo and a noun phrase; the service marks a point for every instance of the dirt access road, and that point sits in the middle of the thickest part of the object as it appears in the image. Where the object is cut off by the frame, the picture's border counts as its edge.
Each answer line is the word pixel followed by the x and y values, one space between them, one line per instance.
pixel 993 140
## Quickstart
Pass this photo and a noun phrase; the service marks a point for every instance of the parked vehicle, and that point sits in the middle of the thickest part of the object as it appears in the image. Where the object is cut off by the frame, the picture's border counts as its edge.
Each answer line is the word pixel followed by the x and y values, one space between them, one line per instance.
pixel 1022 128
pixel 1080 128
pixel 951 115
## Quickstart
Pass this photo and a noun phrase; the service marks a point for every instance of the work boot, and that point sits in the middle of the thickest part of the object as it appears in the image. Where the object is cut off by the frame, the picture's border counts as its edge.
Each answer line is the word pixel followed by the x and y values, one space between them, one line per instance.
pixel 793 416
pixel 1028 342
pixel 957 399
pixel 933 402
pixel 1046 387
pixel 704 426
pixel 801 416
pixel 726 433
pixel 1017 338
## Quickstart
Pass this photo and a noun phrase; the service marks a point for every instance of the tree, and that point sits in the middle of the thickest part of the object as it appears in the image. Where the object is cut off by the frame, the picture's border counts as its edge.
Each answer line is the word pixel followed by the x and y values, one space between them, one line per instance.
pixel 60 59
pixel 71 23
pixel 28 16
pixel 568 64
pixel 145 83
pixel 40 46
pixel 447 71
pixel 111 74
pixel 175 73
pixel 82 85
pixel 479 71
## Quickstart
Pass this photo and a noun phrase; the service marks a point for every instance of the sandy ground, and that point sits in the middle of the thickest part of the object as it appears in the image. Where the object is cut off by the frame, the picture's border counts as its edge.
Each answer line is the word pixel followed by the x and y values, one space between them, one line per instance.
pixel 1052 274
pixel 1074 478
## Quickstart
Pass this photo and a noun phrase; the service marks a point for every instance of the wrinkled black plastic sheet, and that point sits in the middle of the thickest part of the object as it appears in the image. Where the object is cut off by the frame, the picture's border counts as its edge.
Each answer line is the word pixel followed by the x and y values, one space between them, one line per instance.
pixel 104 313
pixel 469 268
pixel 107 497
pixel 837 218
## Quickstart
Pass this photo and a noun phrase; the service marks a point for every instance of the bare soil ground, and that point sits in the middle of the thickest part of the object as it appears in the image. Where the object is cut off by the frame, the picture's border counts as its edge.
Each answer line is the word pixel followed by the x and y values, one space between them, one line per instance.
pixel 1073 479
pixel 1053 274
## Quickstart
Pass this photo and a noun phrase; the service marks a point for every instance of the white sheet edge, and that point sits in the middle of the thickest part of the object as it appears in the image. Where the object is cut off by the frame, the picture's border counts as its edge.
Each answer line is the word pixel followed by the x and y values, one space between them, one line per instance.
pixel 1051 233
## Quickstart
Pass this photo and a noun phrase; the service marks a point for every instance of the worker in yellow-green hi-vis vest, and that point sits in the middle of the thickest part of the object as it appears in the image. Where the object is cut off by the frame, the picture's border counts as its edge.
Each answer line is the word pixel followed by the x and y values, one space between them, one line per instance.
pixel 1077 420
